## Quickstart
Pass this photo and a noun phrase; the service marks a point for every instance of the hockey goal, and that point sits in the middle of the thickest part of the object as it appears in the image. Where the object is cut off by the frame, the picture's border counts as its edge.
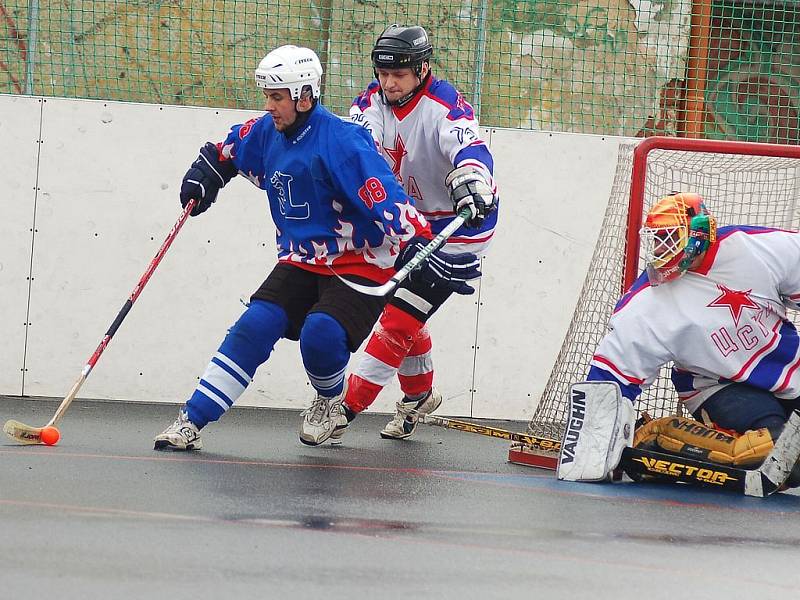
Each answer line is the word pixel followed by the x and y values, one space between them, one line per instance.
pixel 742 183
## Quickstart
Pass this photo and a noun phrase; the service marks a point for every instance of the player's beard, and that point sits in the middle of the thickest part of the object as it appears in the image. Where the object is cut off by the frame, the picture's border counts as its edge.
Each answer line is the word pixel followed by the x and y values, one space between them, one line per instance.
pixel 279 123
pixel 392 97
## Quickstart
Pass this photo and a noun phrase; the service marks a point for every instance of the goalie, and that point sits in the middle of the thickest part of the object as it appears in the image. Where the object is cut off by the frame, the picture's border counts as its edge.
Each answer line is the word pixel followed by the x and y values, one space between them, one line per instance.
pixel 712 302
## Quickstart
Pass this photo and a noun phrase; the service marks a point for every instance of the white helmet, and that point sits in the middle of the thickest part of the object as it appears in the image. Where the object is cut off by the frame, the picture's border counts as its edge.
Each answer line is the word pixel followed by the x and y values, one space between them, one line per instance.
pixel 290 67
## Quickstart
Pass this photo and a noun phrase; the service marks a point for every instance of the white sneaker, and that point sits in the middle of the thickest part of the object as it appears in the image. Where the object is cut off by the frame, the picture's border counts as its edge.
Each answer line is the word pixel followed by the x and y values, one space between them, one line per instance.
pixel 405 421
pixel 338 431
pixel 336 436
pixel 321 419
pixel 181 435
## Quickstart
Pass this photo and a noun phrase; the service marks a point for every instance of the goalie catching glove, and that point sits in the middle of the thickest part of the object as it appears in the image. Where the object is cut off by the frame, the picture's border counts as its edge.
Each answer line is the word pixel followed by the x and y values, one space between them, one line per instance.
pixel 204 179
pixel 469 188
pixel 691 439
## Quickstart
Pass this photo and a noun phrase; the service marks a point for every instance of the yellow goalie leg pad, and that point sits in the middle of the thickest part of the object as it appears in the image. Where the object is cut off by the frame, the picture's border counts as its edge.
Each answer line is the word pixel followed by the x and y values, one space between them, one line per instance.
pixel 690 438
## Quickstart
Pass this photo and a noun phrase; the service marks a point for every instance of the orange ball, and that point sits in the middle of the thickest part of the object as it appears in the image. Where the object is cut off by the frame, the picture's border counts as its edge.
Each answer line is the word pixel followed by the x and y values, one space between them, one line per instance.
pixel 50 435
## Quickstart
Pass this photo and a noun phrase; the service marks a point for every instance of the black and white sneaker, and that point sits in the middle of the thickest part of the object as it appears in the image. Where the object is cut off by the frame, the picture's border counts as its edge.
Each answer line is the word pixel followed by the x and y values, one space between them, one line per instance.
pixel 321 420
pixel 181 435
pixel 405 419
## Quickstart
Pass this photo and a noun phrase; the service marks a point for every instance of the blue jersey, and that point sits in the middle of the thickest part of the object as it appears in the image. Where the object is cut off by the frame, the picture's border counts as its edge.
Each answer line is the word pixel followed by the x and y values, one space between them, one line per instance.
pixel 334 200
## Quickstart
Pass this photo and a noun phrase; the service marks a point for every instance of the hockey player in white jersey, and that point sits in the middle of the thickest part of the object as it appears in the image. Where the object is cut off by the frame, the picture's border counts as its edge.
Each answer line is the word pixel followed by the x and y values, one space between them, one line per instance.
pixel 430 137
pixel 714 303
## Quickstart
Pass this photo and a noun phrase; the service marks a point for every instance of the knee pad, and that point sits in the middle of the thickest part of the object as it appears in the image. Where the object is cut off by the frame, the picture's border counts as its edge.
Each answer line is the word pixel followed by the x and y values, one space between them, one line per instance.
pixel 773 424
pixel 325 352
pixel 251 339
pixel 248 344
pixel 394 335
pixel 321 333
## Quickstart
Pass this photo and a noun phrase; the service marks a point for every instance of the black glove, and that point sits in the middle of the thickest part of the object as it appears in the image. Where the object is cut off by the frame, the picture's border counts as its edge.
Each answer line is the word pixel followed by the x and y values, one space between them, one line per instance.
pixel 468 188
pixel 204 179
pixel 451 271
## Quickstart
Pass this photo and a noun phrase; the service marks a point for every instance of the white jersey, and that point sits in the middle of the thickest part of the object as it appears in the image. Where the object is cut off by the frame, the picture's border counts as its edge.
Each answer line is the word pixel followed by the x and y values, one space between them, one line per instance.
pixel 723 322
pixel 423 141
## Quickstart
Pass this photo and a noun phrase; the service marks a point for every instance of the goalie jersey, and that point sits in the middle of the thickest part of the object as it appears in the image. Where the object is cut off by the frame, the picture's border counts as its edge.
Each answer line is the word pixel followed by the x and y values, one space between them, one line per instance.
pixel 333 199
pixel 423 141
pixel 723 322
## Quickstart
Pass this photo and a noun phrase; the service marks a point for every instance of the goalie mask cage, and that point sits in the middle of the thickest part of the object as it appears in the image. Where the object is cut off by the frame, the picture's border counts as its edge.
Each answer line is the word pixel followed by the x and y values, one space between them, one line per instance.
pixel 741 183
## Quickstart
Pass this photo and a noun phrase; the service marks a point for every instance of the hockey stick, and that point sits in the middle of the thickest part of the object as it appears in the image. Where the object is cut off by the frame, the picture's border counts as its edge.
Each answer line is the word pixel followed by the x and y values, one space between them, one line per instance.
pixel 763 481
pixel 25 434
pixel 419 257
pixel 760 482
pixel 529 441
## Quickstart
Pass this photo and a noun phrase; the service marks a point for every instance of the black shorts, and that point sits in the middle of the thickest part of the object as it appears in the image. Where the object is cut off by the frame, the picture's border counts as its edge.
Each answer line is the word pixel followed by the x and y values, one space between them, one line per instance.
pixel 420 300
pixel 300 292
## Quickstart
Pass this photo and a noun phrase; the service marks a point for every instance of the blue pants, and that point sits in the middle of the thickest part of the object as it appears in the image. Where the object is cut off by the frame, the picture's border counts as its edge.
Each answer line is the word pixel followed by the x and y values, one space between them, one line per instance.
pixel 249 343
pixel 741 407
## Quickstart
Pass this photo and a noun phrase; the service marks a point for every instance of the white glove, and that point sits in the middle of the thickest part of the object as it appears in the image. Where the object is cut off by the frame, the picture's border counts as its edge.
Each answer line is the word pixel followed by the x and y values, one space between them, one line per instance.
pixel 469 188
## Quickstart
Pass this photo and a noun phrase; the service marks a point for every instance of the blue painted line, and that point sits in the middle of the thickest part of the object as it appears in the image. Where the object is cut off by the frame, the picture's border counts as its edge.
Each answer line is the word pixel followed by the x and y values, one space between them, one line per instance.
pixel 648 492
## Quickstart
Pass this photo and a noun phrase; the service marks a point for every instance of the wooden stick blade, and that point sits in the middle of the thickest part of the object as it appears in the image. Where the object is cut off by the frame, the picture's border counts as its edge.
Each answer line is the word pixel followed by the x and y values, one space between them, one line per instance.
pixel 527 449
pixel 24 434
pixel 522 454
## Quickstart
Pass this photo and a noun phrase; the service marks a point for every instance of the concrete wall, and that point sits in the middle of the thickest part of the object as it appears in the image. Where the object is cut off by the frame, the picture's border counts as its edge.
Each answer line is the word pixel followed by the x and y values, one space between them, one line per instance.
pixel 91 193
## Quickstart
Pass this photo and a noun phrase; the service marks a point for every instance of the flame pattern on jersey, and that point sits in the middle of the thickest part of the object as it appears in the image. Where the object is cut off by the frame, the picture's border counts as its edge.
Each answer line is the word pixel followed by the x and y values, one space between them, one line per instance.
pixel 333 199
pixel 423 141
pixel 722 322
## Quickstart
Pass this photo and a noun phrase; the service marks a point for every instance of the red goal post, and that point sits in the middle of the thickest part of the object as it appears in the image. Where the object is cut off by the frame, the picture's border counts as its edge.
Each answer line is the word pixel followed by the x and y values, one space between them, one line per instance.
pixel 741 182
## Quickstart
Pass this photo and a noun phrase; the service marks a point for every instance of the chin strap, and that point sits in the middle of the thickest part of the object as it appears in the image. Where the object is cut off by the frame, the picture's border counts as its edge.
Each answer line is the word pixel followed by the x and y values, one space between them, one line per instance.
pixel 408 97
pixel 301 120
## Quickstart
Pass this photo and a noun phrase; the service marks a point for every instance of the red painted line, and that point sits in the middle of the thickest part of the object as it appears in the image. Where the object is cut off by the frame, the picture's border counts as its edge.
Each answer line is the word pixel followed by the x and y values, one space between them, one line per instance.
pixel 12 29
pixel 49 454
pixel 374 535
pixel 5 68
pixel 460 476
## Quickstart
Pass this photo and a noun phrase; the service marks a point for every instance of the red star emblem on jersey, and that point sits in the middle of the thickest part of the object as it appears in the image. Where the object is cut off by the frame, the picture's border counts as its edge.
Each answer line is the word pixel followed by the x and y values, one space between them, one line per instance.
pixel 396 154
pixel 735 301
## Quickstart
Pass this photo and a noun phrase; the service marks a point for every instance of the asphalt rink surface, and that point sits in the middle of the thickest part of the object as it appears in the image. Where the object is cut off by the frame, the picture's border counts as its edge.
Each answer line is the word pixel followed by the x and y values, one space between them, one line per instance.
pixel 442 515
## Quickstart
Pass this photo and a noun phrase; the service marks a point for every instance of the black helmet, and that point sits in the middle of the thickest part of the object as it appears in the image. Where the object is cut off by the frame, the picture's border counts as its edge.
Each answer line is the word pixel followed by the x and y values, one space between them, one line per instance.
pixel 400 47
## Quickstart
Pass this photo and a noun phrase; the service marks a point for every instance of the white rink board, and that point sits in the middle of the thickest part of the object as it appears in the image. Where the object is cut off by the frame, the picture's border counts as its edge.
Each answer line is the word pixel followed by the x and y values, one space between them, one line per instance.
pixel 554 189
pixel 19 129
pixel 109 176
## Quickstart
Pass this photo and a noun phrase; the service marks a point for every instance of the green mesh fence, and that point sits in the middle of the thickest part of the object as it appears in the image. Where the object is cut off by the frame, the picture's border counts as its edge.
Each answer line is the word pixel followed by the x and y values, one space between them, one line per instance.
pixel 590 66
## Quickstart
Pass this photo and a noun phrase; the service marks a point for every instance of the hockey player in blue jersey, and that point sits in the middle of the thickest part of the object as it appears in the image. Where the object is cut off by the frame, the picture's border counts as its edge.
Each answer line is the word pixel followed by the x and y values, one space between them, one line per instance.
pixel 336 206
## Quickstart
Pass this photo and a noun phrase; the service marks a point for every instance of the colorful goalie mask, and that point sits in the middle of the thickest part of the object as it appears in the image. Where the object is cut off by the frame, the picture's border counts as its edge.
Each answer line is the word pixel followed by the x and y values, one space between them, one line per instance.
pixel 678 229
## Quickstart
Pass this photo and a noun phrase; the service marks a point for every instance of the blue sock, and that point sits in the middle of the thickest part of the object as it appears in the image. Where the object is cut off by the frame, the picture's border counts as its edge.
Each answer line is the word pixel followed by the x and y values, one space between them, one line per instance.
pixel 323 344
pixel 248 344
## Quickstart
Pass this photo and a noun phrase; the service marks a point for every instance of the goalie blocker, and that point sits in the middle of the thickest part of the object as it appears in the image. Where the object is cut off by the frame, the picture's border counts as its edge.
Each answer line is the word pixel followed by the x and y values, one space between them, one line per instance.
pixel 599 436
